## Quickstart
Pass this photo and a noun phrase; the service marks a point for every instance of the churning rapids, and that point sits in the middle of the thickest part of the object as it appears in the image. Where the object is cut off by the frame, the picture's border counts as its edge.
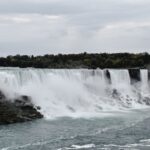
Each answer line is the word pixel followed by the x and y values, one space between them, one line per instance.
pixel 84 109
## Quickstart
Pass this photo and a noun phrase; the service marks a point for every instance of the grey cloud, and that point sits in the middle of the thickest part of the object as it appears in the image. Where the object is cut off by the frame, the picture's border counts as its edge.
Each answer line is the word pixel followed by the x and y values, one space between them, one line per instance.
pixel 72 26
pixel 57 7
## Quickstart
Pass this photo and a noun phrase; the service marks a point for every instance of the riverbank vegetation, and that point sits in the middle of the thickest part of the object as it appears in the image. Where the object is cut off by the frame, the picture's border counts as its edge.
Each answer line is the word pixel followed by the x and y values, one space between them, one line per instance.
pixel 82 60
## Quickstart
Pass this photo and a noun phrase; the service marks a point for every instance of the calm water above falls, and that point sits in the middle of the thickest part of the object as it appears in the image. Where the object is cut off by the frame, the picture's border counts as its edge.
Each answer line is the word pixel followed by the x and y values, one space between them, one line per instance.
pixel 83 109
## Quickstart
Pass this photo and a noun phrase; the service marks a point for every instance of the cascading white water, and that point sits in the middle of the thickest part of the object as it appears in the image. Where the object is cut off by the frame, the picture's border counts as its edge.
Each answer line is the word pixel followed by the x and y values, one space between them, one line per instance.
pixel 75 93
pixel 144 82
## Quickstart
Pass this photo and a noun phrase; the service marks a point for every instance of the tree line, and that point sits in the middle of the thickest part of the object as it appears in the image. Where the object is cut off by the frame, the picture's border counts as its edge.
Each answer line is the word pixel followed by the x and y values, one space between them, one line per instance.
pixel 82 60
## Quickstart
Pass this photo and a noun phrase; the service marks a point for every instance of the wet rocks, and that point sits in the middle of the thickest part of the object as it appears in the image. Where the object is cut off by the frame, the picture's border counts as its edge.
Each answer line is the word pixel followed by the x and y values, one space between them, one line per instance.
pixel 18 110
pixel 108 76
pixel 146 101
pixel 134 75
pixel 149 75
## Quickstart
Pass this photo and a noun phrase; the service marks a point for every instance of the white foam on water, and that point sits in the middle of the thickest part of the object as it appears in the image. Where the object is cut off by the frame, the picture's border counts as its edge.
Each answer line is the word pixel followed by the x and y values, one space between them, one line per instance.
pixel 142 144
pixel 83 146
pixel 75 147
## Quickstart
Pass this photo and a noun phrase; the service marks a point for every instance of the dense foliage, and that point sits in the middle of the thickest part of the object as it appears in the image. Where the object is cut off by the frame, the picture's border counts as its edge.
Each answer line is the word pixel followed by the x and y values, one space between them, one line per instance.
pixel 83 60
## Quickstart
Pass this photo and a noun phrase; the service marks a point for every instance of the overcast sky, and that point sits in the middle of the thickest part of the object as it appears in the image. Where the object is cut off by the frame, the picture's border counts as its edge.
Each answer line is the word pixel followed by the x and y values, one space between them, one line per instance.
pixel 73 26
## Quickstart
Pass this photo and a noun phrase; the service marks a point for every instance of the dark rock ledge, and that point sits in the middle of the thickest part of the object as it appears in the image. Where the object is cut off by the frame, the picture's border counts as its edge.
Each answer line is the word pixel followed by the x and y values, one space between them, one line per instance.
pixel 18 110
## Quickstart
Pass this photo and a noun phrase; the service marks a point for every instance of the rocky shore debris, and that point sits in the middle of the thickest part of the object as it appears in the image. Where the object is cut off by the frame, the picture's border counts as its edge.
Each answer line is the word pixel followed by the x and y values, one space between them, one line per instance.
pixel 18 110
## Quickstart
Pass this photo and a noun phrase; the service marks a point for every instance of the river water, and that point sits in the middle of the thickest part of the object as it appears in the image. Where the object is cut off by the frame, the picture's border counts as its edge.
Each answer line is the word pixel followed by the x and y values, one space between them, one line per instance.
pixel 118 131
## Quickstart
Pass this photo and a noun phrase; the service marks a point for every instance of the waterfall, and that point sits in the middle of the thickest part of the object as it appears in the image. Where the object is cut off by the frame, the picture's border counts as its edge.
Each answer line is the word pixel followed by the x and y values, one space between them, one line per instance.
pixel 76 92
pixel 144 81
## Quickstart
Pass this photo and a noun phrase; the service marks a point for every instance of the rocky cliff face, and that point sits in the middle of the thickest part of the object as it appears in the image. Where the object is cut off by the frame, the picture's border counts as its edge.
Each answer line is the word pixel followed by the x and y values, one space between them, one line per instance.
pixel 18 110
pixel 134 75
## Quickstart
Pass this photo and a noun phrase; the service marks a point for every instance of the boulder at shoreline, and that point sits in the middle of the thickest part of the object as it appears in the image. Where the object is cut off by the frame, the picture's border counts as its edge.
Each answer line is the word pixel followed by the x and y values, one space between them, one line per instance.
pixel 18 110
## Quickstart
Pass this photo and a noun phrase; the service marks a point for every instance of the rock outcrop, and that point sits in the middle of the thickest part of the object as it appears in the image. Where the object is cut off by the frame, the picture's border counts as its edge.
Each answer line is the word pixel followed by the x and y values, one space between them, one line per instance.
pixel 107 74
pixel 134 75
pixel 18 110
